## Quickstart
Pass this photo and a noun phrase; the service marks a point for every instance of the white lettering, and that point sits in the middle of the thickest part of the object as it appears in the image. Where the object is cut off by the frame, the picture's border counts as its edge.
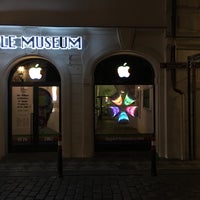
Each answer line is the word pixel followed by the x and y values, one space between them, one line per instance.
pixel 55 43
pixel 40 42
pixel 27 42
pixel 11 42
pixel 47 42
pixel 75 43
pixel 7 42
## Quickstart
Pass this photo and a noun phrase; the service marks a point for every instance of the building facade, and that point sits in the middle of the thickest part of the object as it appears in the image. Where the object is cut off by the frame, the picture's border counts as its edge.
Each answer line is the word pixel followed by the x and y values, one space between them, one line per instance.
pixel 75 65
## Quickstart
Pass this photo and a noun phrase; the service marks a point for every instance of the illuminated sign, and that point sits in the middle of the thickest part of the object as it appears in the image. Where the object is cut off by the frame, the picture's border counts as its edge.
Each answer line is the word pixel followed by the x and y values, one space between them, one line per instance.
pixel 123 71
pixel 35 72
pixel 123 107
pixel 41 42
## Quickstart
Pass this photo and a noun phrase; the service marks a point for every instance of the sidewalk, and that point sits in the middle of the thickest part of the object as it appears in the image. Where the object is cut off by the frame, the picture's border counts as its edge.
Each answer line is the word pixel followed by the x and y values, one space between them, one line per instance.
pixel 110 176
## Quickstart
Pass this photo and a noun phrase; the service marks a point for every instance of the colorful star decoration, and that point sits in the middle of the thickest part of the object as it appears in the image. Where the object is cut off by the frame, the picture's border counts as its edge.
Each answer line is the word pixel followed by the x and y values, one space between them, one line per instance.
pixel 123 108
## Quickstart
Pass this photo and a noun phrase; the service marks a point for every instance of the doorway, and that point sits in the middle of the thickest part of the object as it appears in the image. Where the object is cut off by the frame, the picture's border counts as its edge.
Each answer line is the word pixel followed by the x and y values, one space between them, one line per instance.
pixel 34 108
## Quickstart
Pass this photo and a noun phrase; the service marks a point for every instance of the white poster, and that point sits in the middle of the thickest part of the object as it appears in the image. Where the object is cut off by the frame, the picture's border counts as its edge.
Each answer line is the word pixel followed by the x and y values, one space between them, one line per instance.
pixel 22 109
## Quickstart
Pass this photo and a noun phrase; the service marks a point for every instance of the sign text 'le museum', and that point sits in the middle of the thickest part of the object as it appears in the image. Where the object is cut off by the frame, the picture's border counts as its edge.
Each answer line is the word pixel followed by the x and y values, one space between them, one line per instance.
pixel 41 42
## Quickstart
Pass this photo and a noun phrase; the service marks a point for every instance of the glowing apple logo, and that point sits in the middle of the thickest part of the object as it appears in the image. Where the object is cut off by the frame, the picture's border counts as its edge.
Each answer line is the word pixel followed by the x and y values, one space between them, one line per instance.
pixel 123 71
pixel 35 72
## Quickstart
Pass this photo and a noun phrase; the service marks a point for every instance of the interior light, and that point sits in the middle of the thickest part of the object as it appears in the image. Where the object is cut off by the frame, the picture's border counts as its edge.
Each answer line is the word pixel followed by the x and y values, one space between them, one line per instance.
pixel 128 101
pixel 20 69
pixel 123 117
pixel 118 101
pixel 54 93
pixel 131 110
pixel 115 110
pixel 106 99
pixel 123 108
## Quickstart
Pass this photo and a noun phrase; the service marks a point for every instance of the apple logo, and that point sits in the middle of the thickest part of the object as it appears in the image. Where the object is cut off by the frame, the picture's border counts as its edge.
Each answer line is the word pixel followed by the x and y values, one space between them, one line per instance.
pixel 35 72
pixel 123 71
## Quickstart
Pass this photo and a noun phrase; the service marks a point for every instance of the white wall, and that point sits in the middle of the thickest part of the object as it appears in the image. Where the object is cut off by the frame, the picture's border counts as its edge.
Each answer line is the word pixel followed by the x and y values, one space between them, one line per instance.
pixel 145 121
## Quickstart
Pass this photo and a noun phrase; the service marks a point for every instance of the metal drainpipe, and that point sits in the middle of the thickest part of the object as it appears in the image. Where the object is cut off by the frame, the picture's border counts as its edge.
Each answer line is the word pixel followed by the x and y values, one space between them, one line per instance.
pixel 193 90
pixel 173 49
pixel 181 93
pixel 173 71
pixel 189 108
pixel 192 103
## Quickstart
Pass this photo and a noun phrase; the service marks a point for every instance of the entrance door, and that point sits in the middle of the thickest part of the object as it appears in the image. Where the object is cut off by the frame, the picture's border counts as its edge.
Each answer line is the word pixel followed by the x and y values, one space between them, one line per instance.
pixel 34 114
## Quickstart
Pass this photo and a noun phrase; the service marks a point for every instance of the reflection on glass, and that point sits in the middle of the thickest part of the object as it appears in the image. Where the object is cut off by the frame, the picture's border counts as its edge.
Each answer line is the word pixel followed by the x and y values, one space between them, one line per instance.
pixel 48 120
pixel 118 112
pixel 45 107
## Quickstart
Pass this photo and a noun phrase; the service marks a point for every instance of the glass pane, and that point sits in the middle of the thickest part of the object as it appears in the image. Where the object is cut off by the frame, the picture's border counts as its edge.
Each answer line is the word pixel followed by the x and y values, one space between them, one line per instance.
pixel 123 112
pixel 22 113
pixel 48 114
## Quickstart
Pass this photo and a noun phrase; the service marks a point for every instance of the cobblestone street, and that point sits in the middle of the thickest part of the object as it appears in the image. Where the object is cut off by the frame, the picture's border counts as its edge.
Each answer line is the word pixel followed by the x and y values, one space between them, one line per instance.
pixel 95 179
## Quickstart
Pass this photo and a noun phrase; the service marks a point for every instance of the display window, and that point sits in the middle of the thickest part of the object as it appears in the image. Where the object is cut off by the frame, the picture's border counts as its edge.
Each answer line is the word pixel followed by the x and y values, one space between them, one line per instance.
pixel 124 103
pixel 34 109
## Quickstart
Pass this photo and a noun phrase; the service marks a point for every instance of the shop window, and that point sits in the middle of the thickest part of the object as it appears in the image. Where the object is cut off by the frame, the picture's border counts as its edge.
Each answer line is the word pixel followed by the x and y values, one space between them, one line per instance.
pixel 34 108
pixel 124 101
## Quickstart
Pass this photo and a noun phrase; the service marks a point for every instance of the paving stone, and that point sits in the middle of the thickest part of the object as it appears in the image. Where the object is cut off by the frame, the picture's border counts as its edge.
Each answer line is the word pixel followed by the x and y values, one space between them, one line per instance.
pixel 94 179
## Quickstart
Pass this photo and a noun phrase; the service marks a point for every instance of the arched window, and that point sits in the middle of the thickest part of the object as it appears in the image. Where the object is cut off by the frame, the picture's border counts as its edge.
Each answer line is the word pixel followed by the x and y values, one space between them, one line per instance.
pixel 124 101
pixel 34 106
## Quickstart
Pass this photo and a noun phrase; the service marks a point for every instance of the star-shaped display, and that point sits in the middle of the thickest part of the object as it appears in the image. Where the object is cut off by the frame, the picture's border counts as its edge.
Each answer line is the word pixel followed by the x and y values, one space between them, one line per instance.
pixel 123 107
